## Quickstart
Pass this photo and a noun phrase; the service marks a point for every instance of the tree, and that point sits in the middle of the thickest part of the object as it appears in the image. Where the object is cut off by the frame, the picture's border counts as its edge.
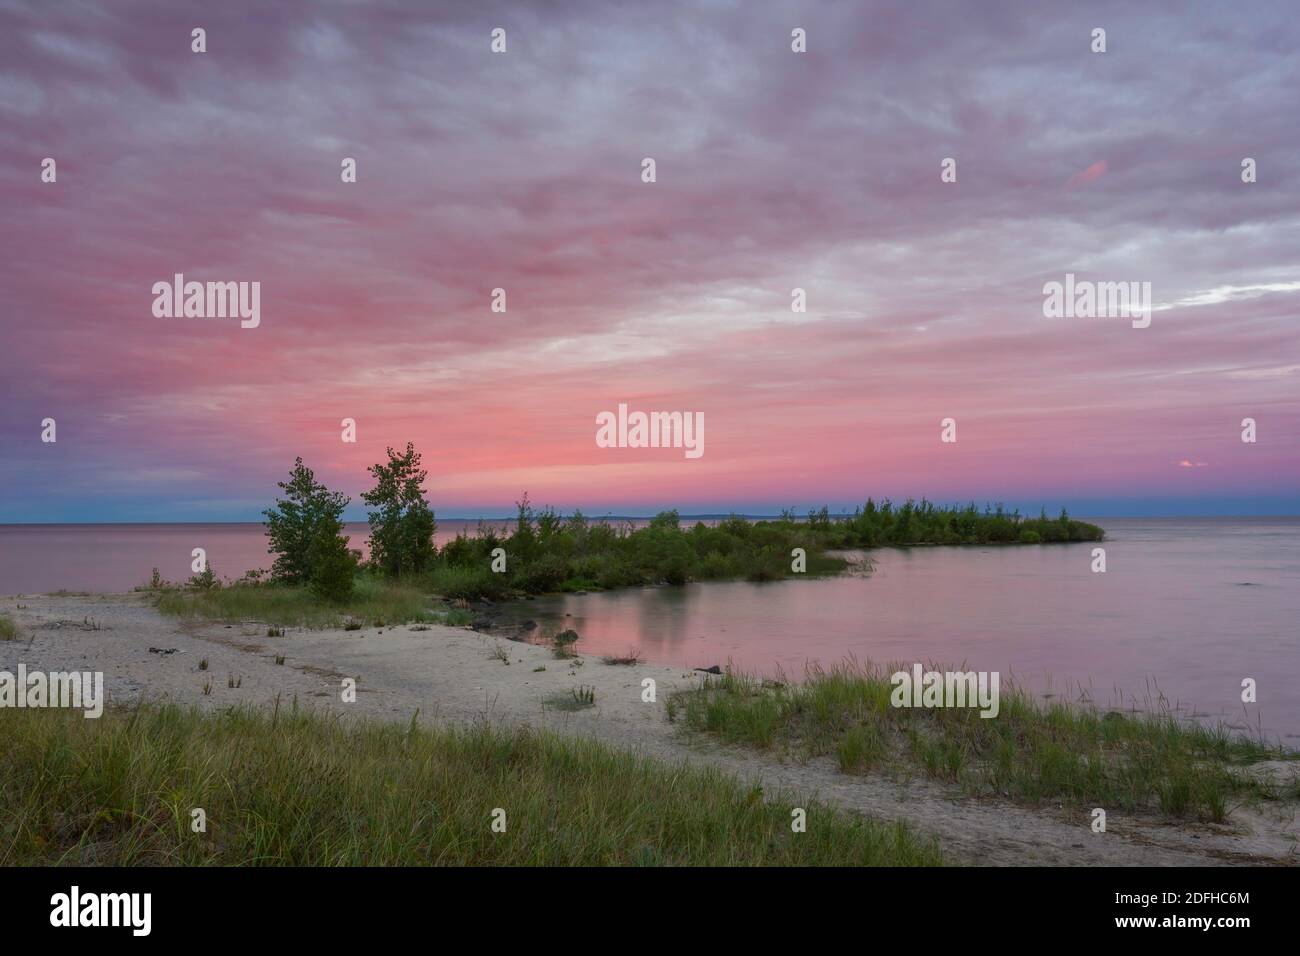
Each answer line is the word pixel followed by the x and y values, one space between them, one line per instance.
pixel 523 543
pixel 402 524
pixel 308 511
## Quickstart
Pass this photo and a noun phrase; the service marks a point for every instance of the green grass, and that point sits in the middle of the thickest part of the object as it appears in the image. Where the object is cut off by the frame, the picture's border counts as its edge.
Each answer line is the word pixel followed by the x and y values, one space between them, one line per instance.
pixel 374 602
pixel 298 789
pixel 1031 752
pixel 466 583
pixel 578 698
pixel 8 629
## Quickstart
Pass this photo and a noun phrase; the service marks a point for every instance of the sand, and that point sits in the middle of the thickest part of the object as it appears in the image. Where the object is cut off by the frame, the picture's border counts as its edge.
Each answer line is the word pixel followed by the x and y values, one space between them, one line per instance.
pixel 454 674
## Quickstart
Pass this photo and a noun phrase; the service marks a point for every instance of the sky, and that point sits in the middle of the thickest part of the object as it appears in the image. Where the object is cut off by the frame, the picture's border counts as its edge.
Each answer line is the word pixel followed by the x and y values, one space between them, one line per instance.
pixel 774 170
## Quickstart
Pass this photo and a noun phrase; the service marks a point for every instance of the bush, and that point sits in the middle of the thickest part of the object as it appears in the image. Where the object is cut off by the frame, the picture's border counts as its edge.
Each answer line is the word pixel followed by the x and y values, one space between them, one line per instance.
pixel 460 551
pixel 466 583
pixel 543 574
pixel 205 580
pixel 333 567
pixel 715 566
pixel 677 571
pixel 618 574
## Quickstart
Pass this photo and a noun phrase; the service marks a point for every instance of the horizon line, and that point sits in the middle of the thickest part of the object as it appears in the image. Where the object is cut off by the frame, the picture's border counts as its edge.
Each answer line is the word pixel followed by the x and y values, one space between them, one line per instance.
pixel 641 517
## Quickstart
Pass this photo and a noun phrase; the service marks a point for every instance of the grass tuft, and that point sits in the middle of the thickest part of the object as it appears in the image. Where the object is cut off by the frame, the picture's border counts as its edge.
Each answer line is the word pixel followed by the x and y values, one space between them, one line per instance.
pixel 629 659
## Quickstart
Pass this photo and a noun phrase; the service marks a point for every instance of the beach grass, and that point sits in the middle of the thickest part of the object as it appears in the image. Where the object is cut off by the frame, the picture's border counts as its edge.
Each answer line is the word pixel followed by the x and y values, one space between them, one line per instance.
pixel 374 602
pixel 287 787
pixel 8 629
pixel 1032 752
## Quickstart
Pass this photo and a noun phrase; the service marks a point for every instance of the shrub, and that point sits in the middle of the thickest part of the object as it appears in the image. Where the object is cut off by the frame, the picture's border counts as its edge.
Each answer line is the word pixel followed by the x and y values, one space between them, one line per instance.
pixel 563 641
pixel 715 565
pixel 621 574
pixel 205 580
pixel 333 567
pixel 466 583
pixel 543 574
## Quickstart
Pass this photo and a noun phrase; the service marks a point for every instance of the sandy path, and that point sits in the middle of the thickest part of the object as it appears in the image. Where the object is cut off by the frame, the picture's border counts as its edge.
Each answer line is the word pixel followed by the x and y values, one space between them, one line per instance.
pixel 451 674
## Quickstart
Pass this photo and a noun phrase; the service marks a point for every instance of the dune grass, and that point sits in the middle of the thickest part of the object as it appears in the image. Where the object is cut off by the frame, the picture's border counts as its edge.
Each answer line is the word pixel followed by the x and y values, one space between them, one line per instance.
pixel 374 602
pixel 293 788
pixel 1032 752
pixel 8 629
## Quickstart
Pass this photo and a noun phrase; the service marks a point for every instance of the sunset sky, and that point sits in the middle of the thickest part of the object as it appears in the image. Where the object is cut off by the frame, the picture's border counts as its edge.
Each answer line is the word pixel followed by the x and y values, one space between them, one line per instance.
pixel 775 170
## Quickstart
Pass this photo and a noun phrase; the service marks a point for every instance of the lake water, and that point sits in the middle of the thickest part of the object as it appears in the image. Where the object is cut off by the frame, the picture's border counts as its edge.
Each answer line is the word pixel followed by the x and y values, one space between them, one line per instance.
pixel 118 557
pixel 1187 607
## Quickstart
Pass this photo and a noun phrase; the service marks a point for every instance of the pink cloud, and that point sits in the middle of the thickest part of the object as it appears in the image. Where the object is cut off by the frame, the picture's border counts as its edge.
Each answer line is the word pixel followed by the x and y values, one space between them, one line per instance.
pixel 1091 174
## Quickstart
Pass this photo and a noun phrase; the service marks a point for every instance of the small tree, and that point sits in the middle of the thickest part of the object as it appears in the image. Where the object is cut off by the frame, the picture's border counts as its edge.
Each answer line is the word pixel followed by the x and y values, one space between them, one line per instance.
pixel 402 524
pixel 333 567
pixel 205 580
pixel 308 511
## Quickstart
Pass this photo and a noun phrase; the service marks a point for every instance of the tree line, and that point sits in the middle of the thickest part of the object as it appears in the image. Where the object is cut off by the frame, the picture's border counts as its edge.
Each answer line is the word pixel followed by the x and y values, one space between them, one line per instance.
pixel 545 551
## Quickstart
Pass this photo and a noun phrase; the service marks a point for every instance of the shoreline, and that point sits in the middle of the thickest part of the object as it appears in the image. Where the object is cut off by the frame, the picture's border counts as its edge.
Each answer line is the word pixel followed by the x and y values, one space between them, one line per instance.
pixel 455 675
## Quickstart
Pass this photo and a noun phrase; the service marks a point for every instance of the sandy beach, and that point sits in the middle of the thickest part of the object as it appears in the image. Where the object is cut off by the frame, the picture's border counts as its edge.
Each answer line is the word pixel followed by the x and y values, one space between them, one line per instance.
pixel 456 675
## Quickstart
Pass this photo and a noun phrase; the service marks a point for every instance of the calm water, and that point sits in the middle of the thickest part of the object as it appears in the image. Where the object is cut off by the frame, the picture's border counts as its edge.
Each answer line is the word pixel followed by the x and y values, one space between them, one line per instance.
pixel 1193 605
pixel 118 557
